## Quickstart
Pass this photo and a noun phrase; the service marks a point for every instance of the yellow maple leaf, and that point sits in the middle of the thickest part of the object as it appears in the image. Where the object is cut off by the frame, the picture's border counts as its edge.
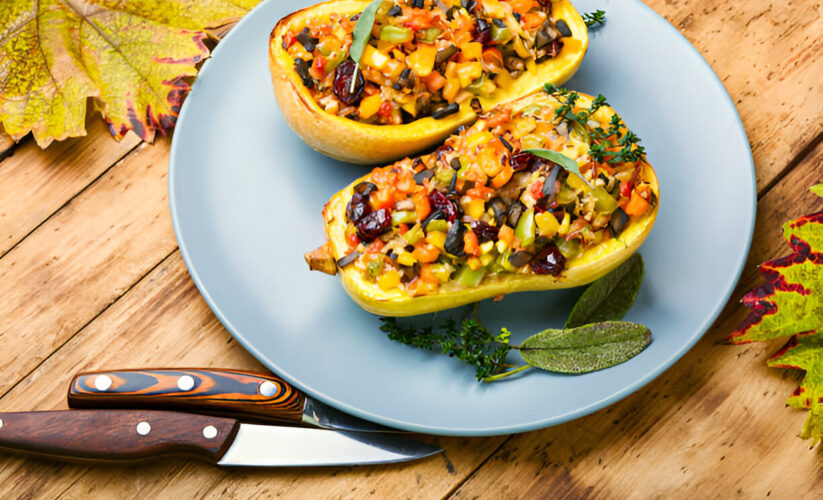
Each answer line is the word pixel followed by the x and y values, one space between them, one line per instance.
pixel 130 56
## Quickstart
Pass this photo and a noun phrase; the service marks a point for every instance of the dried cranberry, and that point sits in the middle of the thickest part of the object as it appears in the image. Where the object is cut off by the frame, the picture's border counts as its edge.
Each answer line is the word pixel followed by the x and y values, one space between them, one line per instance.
pixel 521 161
pixel 549 261
pixel 439 202
pixel 358 207
pixel 343 75
pixel 484 231
pixel 373 225
pixel 483 32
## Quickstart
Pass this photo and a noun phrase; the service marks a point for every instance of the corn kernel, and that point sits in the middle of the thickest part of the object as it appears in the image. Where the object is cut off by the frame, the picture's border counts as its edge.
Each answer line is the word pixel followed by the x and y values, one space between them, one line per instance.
pixel 487 246
pixel 474 263
pixel 388 280
pixel 475 208
pixel 563 230
pixel 370 105
pixel 437 238
pixel 502 246
pixel 406 259
pixel 473 50
pixel 374 58
pixel 547 224
pixel 421 61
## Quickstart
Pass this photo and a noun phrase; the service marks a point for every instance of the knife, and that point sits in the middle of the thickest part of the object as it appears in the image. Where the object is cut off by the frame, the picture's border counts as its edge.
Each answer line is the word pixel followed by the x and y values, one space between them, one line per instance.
pixel 233 393
pixel 135 435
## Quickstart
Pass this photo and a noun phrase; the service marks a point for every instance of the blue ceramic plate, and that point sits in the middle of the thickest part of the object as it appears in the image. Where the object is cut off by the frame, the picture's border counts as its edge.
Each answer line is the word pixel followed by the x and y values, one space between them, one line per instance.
pixel 246 196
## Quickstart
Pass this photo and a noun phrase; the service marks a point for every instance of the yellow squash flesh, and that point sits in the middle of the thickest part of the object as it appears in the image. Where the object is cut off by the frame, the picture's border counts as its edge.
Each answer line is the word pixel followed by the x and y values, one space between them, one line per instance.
pixel 587 267
pixel 362 143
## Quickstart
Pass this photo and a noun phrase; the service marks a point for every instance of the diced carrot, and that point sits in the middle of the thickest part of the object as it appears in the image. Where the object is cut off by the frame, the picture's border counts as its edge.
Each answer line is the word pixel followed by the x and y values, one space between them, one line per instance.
pixel 606 168
pixel 425 252
pixel 421 204
pixel 375 246
pixel 476 174
pixel 427 275
pixel 502 116
pixel 470 243
pixel 480 192
pixel 521 6
pixel 434 81
pixel 506 234
pixel 503 177
pixel 637 205
pixel 403 228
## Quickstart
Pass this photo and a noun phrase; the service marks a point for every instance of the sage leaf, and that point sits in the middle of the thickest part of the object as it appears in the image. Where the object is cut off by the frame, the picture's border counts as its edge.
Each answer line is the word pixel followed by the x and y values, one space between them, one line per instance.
pixel 362 30
pixel 610 297
pixel 559 158
pixel 587 348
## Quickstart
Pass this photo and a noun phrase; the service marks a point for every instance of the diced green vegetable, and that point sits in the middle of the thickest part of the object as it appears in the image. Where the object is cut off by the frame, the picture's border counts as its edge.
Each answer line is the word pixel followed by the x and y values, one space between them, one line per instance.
pixel 396 34
pixel 437 225
pixel 335 59
pixel 466 277
pixel 501 35
pixel 531 110
pixel 444 175
pixel 569 249
pixel 414 234
pixel 403 217
pixel 525 228
pixel 430 35
pixel 604 202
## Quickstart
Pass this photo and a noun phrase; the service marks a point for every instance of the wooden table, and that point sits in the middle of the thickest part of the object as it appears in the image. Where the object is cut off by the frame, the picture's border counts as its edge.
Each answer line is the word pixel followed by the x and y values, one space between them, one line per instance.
pixel 91 277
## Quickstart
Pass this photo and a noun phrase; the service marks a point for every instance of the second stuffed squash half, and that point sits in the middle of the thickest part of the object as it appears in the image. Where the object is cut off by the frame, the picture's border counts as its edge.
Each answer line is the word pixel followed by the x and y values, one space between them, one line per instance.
pixel 428 67
pixel 550 191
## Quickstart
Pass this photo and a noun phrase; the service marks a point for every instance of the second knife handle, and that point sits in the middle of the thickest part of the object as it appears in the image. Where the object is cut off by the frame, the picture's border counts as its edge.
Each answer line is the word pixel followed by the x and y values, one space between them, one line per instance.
pixel 234 393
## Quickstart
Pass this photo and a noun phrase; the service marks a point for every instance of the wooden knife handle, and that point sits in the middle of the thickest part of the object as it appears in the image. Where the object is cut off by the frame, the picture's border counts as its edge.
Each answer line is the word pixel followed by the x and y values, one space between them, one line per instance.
pixel 234 393
pixel 115 435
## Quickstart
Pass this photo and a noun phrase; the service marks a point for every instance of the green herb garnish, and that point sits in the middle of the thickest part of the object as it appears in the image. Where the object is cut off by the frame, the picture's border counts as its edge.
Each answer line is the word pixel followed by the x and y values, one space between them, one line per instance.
pixel 603 343
pixel 362 30
pixel 560 159
pixel 595 18
pixel 361 35
pixel 611 296
pixel 600 143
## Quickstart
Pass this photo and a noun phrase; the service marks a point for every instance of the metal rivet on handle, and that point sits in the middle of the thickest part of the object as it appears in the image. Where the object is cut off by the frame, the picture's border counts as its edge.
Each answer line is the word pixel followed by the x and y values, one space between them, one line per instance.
pixel 143 428
pixel 102 382
pixel 1 423
pixel 209 432
pixel 185 383
pixel 268 388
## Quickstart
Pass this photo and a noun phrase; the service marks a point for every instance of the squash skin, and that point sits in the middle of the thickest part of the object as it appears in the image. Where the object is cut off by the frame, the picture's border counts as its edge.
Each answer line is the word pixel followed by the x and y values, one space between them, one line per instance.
pixel 589 266
pixel 361 143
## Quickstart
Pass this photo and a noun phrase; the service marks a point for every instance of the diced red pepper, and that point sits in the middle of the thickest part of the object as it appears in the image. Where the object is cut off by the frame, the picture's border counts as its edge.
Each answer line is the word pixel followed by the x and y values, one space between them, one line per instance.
pixel 320 64
pixel 625 189
pixel 536 190
pixel 386 109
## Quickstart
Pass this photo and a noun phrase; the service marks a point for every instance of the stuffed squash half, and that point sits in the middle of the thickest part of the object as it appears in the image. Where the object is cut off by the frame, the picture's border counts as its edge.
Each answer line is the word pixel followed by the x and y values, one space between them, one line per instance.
pixel 428 67
pixel 486 214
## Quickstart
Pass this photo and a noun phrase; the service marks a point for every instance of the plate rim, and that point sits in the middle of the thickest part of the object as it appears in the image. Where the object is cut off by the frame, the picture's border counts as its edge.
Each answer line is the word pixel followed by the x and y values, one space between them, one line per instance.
pixel 659 369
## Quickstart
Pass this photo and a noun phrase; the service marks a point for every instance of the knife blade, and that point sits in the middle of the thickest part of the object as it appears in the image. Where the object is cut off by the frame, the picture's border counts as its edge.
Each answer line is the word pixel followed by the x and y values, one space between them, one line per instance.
pixel 137 435
pixel 233 393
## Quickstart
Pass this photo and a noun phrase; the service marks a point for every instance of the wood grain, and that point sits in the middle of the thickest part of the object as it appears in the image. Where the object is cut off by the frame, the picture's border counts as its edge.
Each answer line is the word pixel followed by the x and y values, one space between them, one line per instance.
pixel 713 423
pixel 89 279
pixel 767 54
pixel 35 183
pixel 83 258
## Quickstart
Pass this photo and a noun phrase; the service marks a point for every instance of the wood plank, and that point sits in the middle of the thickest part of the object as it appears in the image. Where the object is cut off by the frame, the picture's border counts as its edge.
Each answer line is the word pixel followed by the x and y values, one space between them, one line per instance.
pixel 712 425
pixel 82 259
pixel 768 56
pixel 163 321
pixel 35 183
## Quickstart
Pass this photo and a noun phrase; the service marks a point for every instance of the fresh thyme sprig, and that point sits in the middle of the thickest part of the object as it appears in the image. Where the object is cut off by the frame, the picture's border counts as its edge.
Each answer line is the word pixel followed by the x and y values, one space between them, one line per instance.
pixel 602 144
pixel 472 343
pixel 595 18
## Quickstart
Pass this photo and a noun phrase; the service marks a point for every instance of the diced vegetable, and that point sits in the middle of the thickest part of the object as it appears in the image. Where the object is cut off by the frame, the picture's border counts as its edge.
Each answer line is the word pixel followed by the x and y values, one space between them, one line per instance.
pixel 421 61
pixel 396 34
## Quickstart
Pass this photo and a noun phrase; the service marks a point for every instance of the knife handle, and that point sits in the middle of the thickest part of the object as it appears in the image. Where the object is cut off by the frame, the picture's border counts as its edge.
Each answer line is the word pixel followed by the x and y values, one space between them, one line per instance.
pixel 234 393
pixel 115 435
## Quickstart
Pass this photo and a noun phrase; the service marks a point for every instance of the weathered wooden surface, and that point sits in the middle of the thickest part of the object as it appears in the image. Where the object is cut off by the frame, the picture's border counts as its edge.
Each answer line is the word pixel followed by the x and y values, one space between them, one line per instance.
pixel 90 278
